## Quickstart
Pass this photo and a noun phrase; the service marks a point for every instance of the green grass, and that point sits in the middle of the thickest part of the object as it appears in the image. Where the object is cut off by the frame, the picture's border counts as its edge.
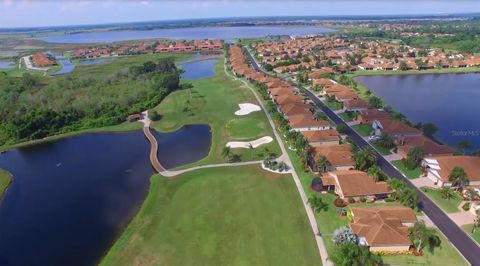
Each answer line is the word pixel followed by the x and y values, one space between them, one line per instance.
pixel 447 205
pixel 334 105
pixel 411 174
pixel 363 129
pixel 346 117
pixel 468 229
pixel 213 101
pixel 5 180
pixel 444 255
pixel 380 149
pixel 223 216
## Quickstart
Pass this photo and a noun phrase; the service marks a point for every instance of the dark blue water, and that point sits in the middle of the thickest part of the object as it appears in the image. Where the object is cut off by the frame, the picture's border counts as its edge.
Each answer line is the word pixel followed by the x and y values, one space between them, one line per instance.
pixel 67 67
pixel 225 33
pixel 71 198
pixel 199 69
pixel 450 101
pixel 87 62
pixel 7 64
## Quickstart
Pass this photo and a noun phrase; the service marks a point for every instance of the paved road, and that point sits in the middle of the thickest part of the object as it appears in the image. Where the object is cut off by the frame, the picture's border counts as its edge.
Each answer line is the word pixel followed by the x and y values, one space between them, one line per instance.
pixel 465 245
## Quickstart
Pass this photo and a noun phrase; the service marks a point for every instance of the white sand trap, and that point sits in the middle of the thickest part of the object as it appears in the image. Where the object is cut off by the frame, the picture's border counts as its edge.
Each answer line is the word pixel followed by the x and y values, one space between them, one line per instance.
pixel 246 108
pixel 253 143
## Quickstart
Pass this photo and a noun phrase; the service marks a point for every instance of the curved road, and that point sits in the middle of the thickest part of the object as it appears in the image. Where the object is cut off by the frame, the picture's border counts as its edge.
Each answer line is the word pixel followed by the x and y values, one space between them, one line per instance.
pixel 464 244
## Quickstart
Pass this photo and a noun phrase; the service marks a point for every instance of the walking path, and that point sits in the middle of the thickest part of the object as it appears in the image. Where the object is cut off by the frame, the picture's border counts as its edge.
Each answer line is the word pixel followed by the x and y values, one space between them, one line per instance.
pixel 311 217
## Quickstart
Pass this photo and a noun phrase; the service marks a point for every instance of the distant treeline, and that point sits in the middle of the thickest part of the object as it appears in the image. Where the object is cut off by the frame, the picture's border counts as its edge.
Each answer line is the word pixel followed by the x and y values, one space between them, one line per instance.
pixel 32 107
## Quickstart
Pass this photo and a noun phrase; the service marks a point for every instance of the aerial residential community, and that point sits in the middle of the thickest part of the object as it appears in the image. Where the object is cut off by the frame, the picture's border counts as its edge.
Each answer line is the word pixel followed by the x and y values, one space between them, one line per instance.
pixel 240 133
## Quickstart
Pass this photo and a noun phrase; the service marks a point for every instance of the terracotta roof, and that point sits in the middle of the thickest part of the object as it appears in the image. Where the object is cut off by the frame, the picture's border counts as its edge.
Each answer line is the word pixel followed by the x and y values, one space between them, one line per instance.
pixel 391 126
pixel 303 120
pixel 383 226
pixel 429 146
pixel 322 81
pixel 354 183
pixel 321 135
pixel 337 155
pixel 295 109
pixel 370 115
pixel 471 165
pixel 281 91
pixel 288 98
pixel 355 104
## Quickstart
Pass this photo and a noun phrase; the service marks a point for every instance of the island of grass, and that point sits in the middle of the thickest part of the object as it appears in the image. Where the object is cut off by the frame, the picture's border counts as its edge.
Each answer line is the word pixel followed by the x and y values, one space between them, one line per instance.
pixel 213 101
pixel 447 205
pixel 347 117
pixel 334 105
pixel 363 129
pixel 382 150
pixel 5 180
pixel 221 216
pixel 410 173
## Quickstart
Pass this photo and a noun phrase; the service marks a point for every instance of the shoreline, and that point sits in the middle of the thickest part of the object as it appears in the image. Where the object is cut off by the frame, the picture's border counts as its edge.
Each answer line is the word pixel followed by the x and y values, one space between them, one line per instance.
pixel 464 70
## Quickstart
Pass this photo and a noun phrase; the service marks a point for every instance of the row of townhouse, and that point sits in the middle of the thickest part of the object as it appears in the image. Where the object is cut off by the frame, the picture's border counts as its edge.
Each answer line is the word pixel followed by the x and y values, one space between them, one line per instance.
pixel 148 48
pixel 380 228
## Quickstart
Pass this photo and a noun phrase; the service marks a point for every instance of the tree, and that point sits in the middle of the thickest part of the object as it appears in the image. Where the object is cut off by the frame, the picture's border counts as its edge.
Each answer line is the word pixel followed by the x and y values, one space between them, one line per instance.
pixel 364 159
pixel 386 141
pixel 377 173
pixel 476 223
pixel 422 236
pixel 414 157
pixel 317 204
pixel 409 197
pixel 344 235
pixel 464 145
pixel 459 178
pixel 447 192
pixel 226 151
pixel 429 129
pixel 470 194
pixel 351 254
pixel 322 164
pixel 374 102
pixel 403 66
pixel 341 128
pixel 155 116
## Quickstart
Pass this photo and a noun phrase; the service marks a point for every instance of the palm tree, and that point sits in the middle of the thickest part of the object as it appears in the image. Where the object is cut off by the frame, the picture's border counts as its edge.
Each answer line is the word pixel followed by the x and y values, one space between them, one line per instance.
pixel 459 178
pixel 376 173
pixel 464 145
pixel 409 197
pixel 322 164
pixel 421 236
pixel 226 151
pixel 364 159
pixel 447 193
pixel 317 204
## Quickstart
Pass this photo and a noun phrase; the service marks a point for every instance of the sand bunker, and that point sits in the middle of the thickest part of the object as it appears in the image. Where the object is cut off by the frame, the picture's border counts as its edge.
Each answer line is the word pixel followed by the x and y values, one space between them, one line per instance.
pixel 246 108
pixel 248 144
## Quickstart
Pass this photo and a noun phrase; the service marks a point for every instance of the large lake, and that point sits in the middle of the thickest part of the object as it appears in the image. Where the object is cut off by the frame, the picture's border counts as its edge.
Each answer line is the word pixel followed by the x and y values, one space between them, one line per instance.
pixel 224 33
pixel 450 101
pixel 71 198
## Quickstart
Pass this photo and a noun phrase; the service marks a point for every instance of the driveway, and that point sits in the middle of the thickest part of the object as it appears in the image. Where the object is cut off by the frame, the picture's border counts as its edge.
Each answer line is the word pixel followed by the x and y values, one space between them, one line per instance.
pixel 423 182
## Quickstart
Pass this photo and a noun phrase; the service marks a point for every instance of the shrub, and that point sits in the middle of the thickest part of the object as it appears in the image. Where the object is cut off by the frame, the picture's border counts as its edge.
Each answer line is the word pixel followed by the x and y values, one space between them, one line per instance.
pixel 351 200
pixel 341 128
pixel 363 199
pixel 466 206
pixel 338 202
pixel 341 212
pixel 155 116
pixel 389 199
pixel 344 235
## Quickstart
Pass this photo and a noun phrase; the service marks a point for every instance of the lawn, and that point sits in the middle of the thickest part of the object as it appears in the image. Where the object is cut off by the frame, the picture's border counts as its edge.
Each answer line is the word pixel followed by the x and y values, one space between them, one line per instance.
pixel 363 129
pixel 468 230
pixel 214 101
pixel 346 117
pixel 5 180
pixel 411 174
pixel 222 216
pixel 380 149
pixel 444 255
pixel 334 105
pixel 447 205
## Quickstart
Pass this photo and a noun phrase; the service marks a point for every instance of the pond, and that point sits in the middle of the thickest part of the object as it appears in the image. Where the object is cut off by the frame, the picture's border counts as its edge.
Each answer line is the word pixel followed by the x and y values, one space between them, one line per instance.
pixel 225 33
pixel 71 198
pixel 6 64
pixel 67 67
pixel 95 61
pixel 450 101
pixel 198 69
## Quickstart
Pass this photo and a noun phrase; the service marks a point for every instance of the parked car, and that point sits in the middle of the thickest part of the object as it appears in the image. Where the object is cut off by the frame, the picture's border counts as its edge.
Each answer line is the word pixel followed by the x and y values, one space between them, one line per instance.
pixel 373 137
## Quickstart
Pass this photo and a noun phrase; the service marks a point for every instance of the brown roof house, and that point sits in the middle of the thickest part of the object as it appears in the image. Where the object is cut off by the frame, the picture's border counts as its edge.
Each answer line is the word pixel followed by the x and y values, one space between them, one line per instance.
pixel 322 137
pixel 429 147
pixel 394 128
pixel 304 122
pixel 355 105
pixel 339 156
pixel 439 168
pixel 356 184
pixel 369 115
pixel 383 228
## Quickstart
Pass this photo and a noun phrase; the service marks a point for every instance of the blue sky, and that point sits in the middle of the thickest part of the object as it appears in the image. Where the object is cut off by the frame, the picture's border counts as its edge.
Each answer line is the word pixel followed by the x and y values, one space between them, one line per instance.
pixel 25 13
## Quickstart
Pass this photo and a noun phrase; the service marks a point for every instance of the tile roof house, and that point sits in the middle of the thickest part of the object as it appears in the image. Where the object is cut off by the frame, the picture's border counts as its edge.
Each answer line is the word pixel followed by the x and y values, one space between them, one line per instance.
pixel 288 98
pixel 355 105
pixel 339 156
pixel 394 128
pixel 439 168
pixel 304 122
pixel 322 137
pixel 355 184
pixel 383 228
pixel 370 115
pixel 429 147
pixel 291 109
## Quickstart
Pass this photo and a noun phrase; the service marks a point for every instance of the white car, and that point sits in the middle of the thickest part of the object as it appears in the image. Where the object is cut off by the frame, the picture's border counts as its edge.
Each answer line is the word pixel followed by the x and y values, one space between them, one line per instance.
pixel 373 137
